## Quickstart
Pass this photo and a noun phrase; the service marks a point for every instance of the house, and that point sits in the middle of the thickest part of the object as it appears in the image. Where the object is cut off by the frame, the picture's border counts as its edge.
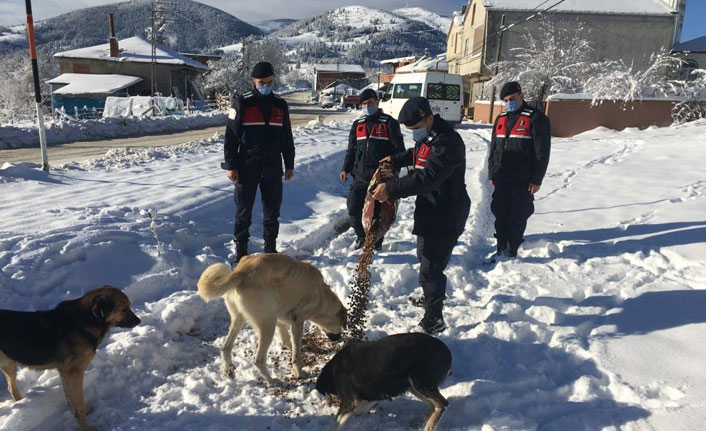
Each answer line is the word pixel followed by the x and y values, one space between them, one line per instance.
pixel 392 64
pixel 77 92
pixel 175 74
pixel 352 74
pixel 693 52
pixel 628 30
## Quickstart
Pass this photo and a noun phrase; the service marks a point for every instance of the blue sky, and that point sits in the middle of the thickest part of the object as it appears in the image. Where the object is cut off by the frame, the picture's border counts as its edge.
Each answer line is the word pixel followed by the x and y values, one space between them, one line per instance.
pixel 12 11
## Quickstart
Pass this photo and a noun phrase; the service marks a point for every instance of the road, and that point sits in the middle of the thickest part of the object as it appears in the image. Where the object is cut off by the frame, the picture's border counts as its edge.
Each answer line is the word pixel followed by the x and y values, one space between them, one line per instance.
pixel 301 113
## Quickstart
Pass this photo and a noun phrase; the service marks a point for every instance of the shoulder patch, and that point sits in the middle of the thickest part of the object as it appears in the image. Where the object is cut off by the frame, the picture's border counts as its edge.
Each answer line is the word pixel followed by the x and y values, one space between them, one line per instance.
pixel 232 114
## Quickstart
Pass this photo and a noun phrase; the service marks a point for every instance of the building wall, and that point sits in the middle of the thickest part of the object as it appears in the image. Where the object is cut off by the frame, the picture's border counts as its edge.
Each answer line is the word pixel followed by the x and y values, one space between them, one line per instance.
pixel 472 44
pixel 166 75
pixel 356 80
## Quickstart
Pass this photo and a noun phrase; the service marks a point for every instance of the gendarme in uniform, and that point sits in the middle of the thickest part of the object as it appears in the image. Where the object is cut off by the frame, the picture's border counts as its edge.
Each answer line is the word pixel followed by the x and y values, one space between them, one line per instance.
pixel 258 140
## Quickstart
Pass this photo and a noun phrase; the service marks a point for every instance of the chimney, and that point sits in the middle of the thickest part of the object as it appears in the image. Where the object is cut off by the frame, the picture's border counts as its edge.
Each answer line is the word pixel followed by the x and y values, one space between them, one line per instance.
pixel 114 49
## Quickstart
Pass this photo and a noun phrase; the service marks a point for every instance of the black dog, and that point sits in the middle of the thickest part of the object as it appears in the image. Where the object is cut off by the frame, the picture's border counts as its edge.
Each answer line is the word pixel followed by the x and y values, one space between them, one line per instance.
pixel 365 372
pixel 65 338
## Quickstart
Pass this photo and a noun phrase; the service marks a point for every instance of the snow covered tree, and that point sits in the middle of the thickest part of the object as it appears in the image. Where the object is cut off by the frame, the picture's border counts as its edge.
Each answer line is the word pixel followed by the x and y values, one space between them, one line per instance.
pixel 552 60
pixel 224 76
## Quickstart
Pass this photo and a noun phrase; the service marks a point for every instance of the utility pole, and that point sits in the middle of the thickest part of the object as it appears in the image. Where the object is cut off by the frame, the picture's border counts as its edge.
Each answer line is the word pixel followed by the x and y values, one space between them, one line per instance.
pixel 37 89
pixel 158 19
pixel 495 72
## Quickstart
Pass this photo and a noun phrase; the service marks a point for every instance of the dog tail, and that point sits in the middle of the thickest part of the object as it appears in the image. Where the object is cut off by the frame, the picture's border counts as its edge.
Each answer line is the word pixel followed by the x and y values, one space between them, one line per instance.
pixel 215 281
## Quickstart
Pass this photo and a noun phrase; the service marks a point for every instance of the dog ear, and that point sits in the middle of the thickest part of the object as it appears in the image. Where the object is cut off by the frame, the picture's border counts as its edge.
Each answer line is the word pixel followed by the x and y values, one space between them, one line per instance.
pixel 101 308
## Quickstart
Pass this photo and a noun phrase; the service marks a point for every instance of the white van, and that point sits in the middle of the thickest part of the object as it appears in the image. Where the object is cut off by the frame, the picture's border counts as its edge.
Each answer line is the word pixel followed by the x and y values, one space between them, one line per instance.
pixel 443 90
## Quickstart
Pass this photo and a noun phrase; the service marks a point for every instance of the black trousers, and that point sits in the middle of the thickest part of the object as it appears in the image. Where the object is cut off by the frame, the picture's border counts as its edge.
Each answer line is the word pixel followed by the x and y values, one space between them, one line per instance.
pixel 434 253
pixel 355 203
pixel 270 185
pixel 512 206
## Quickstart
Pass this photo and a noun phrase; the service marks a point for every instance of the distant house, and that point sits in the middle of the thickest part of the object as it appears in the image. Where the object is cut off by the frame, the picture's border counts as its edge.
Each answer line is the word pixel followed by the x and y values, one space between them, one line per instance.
pixel 628 30
pixel 175 73
pixel 352 74
pixel 693 52
pixel 75 92
pixel 394 64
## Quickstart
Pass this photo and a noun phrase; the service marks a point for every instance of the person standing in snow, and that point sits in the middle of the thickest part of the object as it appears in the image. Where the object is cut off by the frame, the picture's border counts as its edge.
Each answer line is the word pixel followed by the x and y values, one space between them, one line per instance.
pixel 373 136
pixel 518 160
pixel 258 137
pixel 442 205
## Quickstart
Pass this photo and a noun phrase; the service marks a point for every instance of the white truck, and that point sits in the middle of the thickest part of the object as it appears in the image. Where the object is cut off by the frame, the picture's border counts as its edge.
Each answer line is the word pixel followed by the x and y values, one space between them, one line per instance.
pixel 443 90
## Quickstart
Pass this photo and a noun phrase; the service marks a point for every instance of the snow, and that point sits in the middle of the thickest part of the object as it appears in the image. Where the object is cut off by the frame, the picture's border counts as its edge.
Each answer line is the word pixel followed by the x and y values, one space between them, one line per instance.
pixel 237 48
pixel 133 49
pixel 399 60
pixel 425 64
pixel 86 83
pixel 429 18
pixel 60 132
pixel 599 325
pixel 630 7
pixel 340 68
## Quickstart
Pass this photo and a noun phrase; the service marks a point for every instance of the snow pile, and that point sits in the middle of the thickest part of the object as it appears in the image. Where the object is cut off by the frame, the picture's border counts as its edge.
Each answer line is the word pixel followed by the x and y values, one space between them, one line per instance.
pixel 599 325
pixel 106 128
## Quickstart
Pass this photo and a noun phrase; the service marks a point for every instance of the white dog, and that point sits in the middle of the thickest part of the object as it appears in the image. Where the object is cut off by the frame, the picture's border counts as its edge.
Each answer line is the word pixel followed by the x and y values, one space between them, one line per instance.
pixel 273 290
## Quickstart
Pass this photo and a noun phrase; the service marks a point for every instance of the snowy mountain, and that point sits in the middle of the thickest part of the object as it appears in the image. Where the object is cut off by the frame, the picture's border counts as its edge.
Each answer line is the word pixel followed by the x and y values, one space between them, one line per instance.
pixel 196 28
pixel 273 25
pixel 434 20
pixel 360 34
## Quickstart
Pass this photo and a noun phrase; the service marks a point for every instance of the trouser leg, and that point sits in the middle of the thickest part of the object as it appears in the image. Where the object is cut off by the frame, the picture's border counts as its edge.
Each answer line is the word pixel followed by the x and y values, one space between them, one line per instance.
pixel 355 203
pixel 271 191
pixel 434 253
pixel 522 207
pixel 244 198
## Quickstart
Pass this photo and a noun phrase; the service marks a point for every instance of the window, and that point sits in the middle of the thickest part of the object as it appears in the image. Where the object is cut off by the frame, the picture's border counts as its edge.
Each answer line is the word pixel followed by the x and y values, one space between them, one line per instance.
pixel 473 15
pixel 438 91
pixel 465 47
pixel 406 91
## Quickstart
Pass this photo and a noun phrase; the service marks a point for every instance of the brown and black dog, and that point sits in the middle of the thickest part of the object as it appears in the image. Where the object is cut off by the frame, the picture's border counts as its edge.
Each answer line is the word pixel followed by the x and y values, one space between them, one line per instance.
pixel 65 339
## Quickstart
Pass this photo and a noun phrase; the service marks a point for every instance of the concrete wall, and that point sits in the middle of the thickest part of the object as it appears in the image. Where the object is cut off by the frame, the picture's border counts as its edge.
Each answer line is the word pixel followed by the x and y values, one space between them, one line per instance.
pixel 632 38
pixel 571 117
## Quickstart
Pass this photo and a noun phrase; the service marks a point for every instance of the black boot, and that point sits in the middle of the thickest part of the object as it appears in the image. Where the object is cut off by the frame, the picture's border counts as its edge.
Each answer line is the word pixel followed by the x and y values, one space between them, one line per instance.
pixel 358 243
pixel 270 246
pixel 433 321
pixel 241 249
pixel 378 244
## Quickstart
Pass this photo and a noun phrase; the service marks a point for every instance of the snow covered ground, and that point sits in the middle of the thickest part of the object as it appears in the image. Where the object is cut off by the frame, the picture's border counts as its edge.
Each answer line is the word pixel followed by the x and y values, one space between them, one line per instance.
pixel 59 132
pixel 600 325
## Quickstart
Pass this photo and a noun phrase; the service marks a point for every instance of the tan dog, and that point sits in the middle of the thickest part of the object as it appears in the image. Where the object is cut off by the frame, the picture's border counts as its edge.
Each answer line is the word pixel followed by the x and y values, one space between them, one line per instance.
pixel 273 290
pixel 65 339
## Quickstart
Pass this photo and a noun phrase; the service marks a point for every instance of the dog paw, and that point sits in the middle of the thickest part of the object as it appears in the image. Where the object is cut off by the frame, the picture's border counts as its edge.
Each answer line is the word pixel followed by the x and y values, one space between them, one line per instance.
pixel 229 371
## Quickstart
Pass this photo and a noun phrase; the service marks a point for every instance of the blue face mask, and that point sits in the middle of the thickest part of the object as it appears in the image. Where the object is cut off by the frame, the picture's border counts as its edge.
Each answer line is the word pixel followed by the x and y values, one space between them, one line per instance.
pixel 513 105
pixel 420 134
pixel 370 110
pixel 264 90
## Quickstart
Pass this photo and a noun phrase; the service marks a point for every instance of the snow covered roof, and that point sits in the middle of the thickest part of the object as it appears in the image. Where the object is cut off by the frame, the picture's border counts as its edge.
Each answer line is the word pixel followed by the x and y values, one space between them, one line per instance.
pixel 427 64
pixel 627 7
pixel 133 49
pixel 693 45
pixel 87 83
pixel 399 60
pixel 341 68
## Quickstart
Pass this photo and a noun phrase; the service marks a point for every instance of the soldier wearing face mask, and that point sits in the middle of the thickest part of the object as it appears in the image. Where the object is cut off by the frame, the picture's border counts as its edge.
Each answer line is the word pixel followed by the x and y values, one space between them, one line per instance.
pixel 373 136
pixel 258 139
pixel 442 204
pixel 518 160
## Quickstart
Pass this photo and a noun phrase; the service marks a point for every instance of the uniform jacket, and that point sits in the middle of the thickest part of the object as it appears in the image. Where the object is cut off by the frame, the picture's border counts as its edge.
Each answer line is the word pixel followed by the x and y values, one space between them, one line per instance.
pixel 438 181
pixel 258 132
pixel 519 151
pixel 371 138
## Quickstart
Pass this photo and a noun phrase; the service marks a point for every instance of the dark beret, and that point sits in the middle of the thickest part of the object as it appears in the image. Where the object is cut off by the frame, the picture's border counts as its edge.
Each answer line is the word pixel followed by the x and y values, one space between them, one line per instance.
pixel 262 69
pixel 509 88
pixel 414 110
pixel 368 93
